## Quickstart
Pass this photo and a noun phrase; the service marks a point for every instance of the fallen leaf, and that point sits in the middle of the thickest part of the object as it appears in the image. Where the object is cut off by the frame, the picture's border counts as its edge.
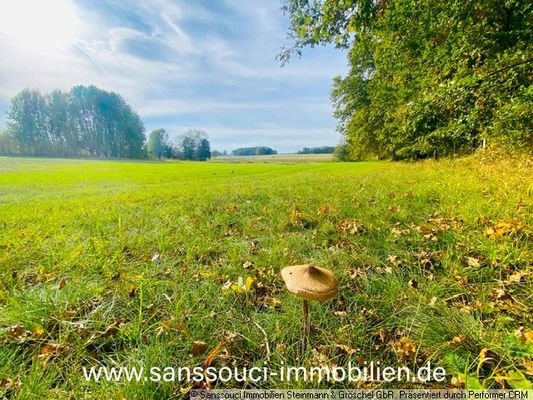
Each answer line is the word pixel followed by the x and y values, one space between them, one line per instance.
pixel 473 262
pixel 8 384
pixel 324 209
pixel 111 330
pixel 273 302
pixel 458 340
pixel 18 332
pixel 52 350
pixel 528 366
pixel 394 260
pixel 62 284
pixel 198 347
pixel 405 347
pixel 345 349
pixel 463 280
pixel 351 226
pixel 340 313
pixel 517 277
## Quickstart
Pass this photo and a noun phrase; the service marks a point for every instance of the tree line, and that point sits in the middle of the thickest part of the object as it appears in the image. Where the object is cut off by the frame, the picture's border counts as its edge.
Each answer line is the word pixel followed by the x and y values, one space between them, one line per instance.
pixel 426 78
pixel 254 151
pixel 193 145
pixel 317 150
pixel 85 121
pixel 89 122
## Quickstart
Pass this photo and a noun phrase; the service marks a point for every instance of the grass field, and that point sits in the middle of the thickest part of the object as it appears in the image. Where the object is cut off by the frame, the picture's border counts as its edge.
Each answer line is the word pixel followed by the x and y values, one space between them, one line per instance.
pixel 130 263
pixel 276 158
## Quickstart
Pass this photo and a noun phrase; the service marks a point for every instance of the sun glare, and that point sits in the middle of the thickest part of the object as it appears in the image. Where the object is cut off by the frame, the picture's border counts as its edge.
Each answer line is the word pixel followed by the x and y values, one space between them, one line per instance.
pixel 46 25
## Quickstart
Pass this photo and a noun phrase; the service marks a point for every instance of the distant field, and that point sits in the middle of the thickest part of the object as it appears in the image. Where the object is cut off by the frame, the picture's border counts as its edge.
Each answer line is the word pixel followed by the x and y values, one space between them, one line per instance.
pixel 128 264
pixel 279 158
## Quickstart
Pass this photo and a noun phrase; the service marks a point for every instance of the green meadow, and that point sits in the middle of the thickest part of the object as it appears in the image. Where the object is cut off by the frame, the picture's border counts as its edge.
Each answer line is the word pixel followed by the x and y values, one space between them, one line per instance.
pixel 156 264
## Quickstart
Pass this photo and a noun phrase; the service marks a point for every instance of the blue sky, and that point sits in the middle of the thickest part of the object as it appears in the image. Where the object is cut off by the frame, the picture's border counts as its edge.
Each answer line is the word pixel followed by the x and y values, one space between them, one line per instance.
pixel 204 64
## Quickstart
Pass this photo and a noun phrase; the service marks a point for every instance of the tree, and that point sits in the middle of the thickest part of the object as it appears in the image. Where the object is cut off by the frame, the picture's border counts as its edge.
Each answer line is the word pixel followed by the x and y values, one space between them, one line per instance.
pixel 7 144
pixel 86 121
pixel 158 145
pixel 425 76
pixel 26 122
pixel 203 152
pixel 195 145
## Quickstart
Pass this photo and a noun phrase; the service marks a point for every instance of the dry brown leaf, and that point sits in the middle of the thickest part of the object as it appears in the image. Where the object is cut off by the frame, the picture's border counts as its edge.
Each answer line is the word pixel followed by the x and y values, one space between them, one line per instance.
pixel 517 277
pixel 62 284
pixel 340 313
pixel 325 209
pixel 501 294
pixel 52 350
pixel 273 302
pixel 463 280
pixel 405 347
pixel 69 314
pixel 349 226
pixel 111 330
pixel 473 262
pixel 8 384
pixel 345 349
pixel 528 366
pixel 394 260
pixel 458 340
pixel 18 332
pixel 198 347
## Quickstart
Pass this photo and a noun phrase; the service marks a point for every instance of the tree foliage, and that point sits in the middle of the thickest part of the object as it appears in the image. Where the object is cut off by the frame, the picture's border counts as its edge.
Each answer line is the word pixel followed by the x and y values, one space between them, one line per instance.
pixel 254 151
pixel 317 150
pixel 85 121
pixel 195 146
pixel 158 145
pixel 426 77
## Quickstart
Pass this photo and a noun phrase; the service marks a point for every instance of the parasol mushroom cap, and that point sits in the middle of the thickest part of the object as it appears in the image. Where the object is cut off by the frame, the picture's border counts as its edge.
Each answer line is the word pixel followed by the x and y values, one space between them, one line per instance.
pixel 310 282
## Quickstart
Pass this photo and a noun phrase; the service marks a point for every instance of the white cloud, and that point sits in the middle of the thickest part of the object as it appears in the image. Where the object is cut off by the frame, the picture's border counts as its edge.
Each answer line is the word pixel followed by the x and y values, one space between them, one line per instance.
pixel 181 59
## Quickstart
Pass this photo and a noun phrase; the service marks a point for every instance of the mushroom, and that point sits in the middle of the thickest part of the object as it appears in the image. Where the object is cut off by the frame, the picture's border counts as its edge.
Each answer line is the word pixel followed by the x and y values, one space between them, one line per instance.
pixel 310 283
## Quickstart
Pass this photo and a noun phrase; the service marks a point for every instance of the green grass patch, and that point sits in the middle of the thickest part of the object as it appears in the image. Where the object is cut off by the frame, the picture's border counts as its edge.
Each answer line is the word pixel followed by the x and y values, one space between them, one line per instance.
pixel 121 263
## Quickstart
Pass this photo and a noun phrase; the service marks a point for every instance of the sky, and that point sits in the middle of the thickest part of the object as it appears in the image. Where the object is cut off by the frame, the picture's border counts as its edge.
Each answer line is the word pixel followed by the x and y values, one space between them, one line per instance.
pixel 202 64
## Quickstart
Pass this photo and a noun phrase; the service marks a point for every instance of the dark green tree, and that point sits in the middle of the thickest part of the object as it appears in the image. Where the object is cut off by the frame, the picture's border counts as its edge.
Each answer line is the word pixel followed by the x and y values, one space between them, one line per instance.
pixel 195 145
pixel 426 77
pixel 203 152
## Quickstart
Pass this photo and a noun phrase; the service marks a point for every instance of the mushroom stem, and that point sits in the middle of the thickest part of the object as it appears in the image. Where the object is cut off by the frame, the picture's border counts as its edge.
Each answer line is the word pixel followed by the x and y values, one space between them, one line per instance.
pixel 307 326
